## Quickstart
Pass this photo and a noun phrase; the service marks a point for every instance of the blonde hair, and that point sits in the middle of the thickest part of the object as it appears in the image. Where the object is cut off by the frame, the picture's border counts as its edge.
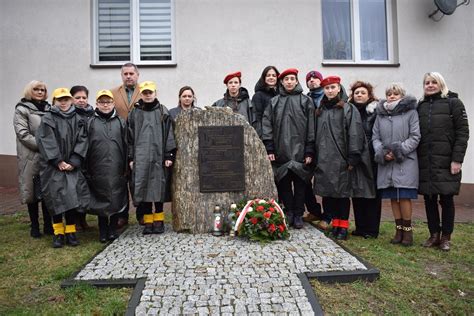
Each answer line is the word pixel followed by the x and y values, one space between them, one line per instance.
pixel 440 80
pixel 28 90
pixel 396 87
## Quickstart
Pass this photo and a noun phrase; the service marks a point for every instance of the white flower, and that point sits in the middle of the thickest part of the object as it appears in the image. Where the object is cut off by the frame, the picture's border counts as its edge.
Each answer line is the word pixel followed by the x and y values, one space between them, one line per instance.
pixel 262 202
pixel 250 209
pixel 233 206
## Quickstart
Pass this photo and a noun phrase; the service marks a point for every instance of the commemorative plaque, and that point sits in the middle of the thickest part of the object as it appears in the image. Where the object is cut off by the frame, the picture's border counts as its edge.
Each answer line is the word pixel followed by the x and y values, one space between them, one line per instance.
pixel 221 158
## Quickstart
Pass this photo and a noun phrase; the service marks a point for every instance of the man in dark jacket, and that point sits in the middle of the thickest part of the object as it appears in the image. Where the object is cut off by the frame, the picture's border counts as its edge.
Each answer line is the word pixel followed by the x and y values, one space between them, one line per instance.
pixel 288 135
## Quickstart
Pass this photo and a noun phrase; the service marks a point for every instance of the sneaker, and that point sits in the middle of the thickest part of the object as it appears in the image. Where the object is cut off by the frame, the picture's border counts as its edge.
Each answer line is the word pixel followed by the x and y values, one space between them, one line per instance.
pixel 311 218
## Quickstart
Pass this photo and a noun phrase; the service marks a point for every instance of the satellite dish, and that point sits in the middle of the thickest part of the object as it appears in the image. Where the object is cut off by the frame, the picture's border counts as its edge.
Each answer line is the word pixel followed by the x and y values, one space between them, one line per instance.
pixel 446 6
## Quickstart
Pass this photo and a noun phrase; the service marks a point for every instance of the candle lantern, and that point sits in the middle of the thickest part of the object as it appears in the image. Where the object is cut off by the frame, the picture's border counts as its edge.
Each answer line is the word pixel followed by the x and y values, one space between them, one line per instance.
pixel 217 231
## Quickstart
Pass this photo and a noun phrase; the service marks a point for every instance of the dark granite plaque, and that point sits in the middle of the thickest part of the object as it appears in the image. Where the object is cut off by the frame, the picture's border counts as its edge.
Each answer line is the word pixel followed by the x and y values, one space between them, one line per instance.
pixel 221 158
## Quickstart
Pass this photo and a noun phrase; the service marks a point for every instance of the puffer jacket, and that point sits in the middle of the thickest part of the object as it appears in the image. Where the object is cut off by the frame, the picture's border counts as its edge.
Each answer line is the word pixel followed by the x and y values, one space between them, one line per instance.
pixel 26 121
pixel 444 135
pixel 397 131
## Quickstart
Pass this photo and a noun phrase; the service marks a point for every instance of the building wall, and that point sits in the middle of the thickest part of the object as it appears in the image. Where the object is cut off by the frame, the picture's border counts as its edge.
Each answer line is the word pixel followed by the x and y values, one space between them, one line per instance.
pixel 50 40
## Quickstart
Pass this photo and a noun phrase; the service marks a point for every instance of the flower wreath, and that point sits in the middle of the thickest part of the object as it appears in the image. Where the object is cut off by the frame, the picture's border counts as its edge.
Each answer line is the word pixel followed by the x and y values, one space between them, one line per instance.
pixel 259 220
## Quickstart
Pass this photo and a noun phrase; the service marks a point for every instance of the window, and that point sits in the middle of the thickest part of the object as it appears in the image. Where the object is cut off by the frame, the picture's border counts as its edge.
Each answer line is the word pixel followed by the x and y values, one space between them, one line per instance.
pixel 140 31
pixel 358 32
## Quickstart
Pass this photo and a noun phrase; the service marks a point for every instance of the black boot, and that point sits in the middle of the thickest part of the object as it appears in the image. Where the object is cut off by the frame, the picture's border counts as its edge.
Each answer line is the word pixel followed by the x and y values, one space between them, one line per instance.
pixel 33 212
pixel 103 229
pixel 58 241
pixel 290 218
pixel 72 240
pixel 298 222
pixel 148 229
pixel 158 227
pixel 113 228
pixel 398 232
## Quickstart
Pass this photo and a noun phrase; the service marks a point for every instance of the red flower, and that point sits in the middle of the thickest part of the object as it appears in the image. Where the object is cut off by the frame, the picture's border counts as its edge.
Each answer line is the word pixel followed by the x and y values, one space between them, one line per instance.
pixel 260 208
pixel 267 215
pixel 271 209
pixel 281 227
pixel 254 220
pixel 271 228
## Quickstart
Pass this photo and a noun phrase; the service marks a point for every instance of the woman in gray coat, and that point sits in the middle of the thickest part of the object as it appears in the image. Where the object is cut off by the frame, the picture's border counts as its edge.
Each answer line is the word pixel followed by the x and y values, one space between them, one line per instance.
pixel 27 118
pixel 396 135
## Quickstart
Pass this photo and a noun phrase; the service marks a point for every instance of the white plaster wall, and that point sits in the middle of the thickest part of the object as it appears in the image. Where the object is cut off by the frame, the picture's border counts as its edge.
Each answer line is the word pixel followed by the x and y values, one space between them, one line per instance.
pixel 50 40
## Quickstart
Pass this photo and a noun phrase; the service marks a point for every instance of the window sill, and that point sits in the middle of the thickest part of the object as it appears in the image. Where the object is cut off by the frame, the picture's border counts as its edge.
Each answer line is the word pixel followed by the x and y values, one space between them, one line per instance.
pixel 344 64
pixel 98 66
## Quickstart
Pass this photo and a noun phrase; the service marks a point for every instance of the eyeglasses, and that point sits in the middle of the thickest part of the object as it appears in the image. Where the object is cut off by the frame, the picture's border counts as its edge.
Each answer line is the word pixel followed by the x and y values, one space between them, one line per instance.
pixel 39 89
pixel 105 102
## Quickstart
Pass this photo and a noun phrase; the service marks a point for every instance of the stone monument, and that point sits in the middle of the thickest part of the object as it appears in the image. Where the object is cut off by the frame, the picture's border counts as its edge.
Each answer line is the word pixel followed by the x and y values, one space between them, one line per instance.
pixel 192 205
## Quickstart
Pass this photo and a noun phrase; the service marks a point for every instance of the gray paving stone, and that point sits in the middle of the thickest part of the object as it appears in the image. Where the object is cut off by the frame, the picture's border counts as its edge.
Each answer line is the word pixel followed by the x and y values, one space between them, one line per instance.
pixel 205 275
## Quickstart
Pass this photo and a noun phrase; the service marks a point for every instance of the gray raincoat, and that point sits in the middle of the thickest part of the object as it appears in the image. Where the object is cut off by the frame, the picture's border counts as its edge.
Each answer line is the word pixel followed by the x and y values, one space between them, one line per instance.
pixel 150 143
pixel 61 136
pixel 288 132
pixel 340 142
pixel 106 164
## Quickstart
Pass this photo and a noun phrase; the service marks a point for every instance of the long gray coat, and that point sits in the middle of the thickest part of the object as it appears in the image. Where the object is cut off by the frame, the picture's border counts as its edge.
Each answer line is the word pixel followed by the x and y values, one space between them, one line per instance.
pixel 288 132
pixel 150 143
pixel 106 164
pixel 399 132
pixel 339 137
pixel 62 137
pixel 26 121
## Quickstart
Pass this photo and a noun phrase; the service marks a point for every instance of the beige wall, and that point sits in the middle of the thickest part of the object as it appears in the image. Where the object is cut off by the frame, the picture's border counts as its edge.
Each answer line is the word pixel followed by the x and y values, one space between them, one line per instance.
pixel 50 40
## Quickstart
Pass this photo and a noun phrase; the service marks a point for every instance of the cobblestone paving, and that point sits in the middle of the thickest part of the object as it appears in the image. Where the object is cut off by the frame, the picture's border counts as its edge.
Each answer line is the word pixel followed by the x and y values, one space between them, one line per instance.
pixel 203 274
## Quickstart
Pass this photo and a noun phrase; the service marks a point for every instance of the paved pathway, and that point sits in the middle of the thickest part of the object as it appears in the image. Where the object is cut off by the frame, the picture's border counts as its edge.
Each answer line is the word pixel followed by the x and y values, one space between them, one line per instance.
pixel 203 274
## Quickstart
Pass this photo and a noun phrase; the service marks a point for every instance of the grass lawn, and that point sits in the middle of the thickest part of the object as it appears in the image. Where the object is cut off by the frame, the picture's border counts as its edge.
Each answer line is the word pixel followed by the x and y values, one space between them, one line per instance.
pixel 413 280
pixel 31 272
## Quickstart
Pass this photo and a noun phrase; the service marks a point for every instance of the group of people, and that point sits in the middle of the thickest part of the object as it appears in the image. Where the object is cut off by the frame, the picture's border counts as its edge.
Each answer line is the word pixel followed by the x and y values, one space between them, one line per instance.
pixel 345 148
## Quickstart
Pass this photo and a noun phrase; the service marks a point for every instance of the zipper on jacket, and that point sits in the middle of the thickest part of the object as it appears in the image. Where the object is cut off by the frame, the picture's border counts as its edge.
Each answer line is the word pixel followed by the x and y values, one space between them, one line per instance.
pixel 430 145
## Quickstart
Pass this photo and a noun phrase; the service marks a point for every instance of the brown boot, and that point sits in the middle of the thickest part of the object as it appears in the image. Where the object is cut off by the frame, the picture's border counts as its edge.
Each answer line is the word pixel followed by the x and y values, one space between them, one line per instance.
pixel 407 239
pixel 398 233
pixel 433 241
pixel 445 243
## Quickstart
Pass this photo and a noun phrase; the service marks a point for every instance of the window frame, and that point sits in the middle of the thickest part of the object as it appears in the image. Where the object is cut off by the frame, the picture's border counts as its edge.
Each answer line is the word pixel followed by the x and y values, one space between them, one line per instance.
pixel 392 48
pixel 134 38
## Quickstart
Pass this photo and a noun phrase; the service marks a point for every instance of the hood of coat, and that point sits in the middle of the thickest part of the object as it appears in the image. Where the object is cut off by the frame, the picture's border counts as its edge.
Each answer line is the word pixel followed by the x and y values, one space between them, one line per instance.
pixel 86 111
pixel 147 106
pixel 104 116
pixel 297 90
pixel 31 105
pixel 243 94
pixel 69 113
pixel 406 104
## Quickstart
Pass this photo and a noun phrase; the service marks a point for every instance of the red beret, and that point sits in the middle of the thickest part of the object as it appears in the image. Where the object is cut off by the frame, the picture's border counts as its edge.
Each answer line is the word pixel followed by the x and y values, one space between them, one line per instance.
pixel 232 75
pixel 330 80
pixel 289 71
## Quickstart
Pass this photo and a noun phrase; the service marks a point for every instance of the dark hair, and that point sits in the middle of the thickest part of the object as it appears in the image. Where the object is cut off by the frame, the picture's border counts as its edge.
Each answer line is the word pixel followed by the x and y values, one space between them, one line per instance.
pixel 362 84
pixel 181 92
pixel 77 89
pixel 265 71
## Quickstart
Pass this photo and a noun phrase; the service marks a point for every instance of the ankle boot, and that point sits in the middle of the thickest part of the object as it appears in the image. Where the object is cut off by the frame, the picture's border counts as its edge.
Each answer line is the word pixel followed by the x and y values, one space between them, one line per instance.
pixel 407 239
pixel 148 229
pixel 103 229
pixel 433 241
pixel 342 234
pixel 58 241
pixel 72 240
pixel 113 228
pixel 445 242
pixel 158 227
pixel 398 233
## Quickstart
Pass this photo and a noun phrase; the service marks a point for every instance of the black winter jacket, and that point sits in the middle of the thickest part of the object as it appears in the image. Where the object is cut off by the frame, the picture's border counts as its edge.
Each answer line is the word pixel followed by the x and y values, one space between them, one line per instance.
pixel 444 135
pixel 260 100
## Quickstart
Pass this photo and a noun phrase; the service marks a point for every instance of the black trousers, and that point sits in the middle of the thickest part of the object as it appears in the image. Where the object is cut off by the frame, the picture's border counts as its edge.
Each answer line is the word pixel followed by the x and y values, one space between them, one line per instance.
pixel 367 213
pixel 106 222
pixel 292 191
pixel 339 208
pixel 446 226
pixel 33 211
pixel 310 200
pixel 69 215
pixel 147 208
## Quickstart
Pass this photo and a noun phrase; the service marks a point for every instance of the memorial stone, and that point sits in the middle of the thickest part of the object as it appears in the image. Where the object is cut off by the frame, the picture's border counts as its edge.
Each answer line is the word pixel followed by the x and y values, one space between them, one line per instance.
pixel 193 207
